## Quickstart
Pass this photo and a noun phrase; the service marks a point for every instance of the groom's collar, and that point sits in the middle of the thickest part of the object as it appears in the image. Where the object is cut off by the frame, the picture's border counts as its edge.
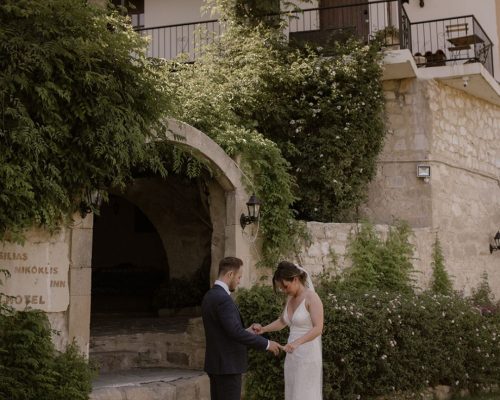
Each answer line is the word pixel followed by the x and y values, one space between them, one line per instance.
pixel 223 285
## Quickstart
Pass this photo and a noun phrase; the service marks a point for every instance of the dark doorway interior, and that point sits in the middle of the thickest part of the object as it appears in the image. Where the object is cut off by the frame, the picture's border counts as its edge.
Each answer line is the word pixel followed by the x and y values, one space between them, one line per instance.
pixel 151 252
pixel 129 263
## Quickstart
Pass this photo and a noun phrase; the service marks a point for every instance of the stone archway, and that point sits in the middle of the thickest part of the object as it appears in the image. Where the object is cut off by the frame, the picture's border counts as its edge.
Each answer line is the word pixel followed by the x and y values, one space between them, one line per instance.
pixel 227 202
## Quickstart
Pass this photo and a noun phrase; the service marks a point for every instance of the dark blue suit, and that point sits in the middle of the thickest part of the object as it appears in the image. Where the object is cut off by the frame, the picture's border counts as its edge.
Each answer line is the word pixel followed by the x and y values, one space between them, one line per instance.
pixel 226 344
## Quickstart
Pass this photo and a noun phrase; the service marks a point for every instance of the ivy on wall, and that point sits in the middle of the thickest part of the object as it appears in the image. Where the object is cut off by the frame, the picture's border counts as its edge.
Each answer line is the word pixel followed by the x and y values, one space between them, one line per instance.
pixel 78 99
pixel 308 126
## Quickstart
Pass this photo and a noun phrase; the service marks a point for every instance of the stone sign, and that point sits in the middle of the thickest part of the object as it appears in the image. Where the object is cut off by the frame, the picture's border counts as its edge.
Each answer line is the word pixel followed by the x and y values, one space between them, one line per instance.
pixel 38 275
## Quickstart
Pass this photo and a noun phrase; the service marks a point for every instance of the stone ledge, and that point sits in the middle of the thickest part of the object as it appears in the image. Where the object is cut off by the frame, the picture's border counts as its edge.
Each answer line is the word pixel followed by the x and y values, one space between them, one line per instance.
pixel 152 384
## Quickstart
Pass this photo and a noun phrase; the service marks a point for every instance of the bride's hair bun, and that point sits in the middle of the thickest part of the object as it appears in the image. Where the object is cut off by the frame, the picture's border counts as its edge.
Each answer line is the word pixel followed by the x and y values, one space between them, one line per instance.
pixel 286 271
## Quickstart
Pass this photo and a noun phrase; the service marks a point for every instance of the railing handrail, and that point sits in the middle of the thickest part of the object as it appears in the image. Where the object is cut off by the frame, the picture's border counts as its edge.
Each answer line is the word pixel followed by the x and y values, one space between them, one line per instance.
pixel 441 19
pixel 168 41
pixel 452 18
pixel 271 15
pixel 177 25
pixel 366 3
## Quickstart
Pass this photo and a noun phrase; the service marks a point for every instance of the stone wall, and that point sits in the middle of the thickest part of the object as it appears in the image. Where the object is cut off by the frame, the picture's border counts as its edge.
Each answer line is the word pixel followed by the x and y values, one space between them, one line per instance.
pixel 329 241
pixel 456 135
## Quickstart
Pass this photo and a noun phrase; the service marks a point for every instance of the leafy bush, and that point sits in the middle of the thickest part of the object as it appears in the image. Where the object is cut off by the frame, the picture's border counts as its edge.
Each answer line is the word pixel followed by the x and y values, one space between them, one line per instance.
pixel 378 343
pixel 380 264
pixel 31 368
pixel 265 378
pixel 440 282
pixel 78 100
pixel 381 338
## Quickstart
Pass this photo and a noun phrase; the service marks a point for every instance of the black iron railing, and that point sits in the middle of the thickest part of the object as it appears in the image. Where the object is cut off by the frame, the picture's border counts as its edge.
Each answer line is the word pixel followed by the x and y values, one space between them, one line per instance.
pixel 366 21
pixel 170 41
pixel 433 43
pixel 450 41
pixel 316 25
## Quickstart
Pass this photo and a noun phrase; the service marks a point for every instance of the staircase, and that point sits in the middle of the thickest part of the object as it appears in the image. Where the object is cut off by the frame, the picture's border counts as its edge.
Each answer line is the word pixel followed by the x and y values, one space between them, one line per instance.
pixel 148 358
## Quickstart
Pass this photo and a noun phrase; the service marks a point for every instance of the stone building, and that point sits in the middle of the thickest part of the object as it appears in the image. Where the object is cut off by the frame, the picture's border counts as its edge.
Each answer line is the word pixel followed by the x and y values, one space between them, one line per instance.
pixel 164 234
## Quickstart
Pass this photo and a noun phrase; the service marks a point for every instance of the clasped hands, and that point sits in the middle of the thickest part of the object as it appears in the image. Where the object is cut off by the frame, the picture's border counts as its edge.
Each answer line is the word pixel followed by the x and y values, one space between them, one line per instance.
pixel 274 347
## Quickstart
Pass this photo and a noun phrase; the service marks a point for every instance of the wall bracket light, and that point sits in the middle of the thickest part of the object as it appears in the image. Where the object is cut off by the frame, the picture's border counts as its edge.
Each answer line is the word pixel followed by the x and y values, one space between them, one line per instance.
pixel 424 172
pixel 496 243
pixel 253 205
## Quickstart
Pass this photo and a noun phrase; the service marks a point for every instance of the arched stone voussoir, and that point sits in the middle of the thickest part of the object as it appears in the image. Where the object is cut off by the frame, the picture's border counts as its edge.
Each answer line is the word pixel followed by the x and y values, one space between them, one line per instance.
pixel 227 172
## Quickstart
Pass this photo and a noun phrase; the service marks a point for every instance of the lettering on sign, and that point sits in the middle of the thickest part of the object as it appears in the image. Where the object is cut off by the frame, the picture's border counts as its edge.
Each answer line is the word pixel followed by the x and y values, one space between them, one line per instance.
pixel 7 255
pixel 38 276
pixel 27 300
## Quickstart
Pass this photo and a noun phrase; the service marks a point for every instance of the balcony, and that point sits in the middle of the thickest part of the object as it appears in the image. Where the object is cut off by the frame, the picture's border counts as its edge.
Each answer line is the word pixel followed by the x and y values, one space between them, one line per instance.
pixel 450 41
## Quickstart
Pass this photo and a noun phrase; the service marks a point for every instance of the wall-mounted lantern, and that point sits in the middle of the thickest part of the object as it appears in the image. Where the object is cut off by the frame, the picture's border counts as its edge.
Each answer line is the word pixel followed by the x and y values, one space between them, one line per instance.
pixel 496 245
pixel 424 172
pixel 89 202
pixel 253 205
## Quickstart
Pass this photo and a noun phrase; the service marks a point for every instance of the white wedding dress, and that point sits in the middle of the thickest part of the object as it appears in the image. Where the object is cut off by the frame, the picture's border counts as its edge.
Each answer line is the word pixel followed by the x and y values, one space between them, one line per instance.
pixel 303 367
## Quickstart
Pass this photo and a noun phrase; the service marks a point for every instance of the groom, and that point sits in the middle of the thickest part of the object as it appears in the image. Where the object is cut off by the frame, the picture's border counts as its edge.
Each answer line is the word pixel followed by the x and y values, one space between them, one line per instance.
pixel 226 338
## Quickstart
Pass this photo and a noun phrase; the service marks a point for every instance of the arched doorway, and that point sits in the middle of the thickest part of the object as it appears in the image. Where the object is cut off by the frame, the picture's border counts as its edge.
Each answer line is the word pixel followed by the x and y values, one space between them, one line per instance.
pixel 224 203
pixel 151 251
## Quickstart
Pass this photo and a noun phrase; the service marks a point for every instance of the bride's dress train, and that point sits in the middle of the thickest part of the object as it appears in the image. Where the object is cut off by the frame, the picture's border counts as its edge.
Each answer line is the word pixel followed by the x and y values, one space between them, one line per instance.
pixel 303 367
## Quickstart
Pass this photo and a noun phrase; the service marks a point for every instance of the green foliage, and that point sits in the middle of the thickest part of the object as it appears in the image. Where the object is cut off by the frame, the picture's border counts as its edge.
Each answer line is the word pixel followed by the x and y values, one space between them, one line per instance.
pixel 482 296
pixel 380 343
pixel 292 115
pixel 264 381
pixel 31 368
pixel 328 122
pixel 380 264
pixel 440 282
pixel 78 98
pixel 208 94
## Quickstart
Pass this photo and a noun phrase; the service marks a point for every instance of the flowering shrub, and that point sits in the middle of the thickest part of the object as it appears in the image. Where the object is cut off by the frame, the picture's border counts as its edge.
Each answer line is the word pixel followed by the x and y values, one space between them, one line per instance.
pixel 378 343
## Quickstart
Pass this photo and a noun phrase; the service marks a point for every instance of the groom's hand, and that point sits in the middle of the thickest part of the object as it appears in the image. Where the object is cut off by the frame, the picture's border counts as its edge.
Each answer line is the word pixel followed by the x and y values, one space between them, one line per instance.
pixel 274 347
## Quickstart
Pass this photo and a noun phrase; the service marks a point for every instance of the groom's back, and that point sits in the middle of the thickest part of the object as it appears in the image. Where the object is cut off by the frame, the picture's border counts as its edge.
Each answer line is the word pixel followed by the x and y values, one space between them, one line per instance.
pixel 223 354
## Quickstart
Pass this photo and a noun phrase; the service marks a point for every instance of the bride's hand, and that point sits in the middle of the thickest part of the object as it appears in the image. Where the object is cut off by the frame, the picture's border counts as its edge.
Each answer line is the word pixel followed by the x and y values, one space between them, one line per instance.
pixel 290 347
pixel 257 329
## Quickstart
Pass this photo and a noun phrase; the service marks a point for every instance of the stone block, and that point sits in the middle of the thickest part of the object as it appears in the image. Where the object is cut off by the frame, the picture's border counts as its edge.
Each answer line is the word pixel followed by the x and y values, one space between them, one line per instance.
pixel 178 358
pixel 79 321
pixel 406 86
pixel 442 392
pixel 390 85
pixel 185 389
pixel 389 95
pixel 107 394
pixel 80 281
pixel 203 388
pixel 81 248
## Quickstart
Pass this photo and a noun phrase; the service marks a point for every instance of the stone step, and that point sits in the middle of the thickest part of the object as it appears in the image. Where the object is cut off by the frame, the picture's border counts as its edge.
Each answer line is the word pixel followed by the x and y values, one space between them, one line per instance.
pixel 151 384
pixel 134 346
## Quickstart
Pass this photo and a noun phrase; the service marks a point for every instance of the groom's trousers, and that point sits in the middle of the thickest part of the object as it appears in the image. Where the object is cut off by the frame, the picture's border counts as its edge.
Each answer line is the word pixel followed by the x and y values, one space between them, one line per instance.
pixel 225 387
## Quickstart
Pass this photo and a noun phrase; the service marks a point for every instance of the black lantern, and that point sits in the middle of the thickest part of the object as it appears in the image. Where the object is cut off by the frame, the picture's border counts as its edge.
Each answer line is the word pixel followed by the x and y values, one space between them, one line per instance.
pixel 253 205
pixel 90 201
pixel 496 245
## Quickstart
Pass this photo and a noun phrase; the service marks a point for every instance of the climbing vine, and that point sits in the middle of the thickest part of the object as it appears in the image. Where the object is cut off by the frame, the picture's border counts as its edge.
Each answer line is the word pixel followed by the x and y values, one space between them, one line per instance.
pixel 78 99
pixel 307 122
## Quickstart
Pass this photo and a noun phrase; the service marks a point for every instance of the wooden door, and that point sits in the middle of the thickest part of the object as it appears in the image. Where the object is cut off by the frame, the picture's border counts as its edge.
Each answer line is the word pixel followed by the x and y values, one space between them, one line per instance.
pixel 345 16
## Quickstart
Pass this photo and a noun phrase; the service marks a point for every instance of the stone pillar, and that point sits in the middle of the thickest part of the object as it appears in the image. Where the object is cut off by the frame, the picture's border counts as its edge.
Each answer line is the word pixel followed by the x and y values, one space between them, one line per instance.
pixel 80 281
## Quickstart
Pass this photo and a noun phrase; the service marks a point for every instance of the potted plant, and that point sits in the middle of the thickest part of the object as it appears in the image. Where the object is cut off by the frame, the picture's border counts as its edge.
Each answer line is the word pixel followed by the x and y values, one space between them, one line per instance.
pixel 388 36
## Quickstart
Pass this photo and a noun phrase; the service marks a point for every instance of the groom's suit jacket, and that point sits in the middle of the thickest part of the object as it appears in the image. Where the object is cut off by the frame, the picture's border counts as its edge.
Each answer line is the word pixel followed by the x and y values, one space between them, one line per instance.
pixel 226 337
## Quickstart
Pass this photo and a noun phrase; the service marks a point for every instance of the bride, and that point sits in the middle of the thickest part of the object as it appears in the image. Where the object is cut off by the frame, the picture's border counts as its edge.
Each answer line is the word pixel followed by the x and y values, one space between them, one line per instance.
pixel 303 313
